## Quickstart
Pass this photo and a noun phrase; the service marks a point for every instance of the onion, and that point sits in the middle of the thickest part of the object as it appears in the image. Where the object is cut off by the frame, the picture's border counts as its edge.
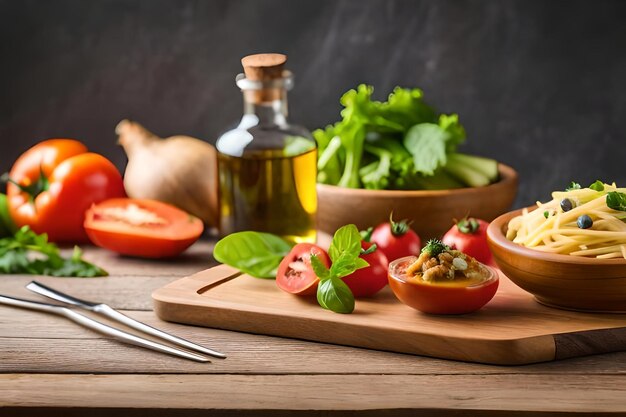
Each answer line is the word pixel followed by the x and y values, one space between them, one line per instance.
pixel 179 170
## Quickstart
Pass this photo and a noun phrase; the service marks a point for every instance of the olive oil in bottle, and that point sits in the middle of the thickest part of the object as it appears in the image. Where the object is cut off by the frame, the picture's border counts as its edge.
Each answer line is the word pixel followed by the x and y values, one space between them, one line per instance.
pixel 267 167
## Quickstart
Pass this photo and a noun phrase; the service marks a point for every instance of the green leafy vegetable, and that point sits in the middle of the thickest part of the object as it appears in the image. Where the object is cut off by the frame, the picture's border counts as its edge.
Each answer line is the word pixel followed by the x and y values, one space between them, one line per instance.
pixel 573 186
pixel 332 293
pixel 255 253
pixel 29 253
pixel 427 144
pixel 401 143
pixel 597 186
pixel 616 200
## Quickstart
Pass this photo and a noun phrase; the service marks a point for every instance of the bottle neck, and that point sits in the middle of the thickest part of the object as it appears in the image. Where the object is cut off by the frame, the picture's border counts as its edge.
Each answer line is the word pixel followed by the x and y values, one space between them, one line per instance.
pixel 272 112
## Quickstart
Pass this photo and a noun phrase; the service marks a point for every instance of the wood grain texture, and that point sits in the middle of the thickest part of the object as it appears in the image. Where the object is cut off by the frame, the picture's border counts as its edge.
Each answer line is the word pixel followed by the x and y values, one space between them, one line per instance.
pixel 46 363
pixel 512 329
pixel 331 392
pixel 48 344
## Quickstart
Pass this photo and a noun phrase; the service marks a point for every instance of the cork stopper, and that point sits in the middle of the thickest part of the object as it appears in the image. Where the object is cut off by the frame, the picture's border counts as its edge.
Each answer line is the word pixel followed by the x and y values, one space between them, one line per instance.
pixel 264 68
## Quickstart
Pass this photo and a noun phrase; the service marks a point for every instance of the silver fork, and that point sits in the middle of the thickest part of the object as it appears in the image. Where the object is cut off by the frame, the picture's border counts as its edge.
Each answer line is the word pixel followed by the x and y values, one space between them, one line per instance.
pixel 107 311
pixel 100 327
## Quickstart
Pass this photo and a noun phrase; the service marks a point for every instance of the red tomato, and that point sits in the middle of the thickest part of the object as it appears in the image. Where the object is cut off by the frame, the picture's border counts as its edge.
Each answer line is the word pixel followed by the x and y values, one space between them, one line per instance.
pixel 396 239
pixel 367 281
pixel 54 182
pixel 143 228
pixel 295 273
pixel 440 298
pixel 470 237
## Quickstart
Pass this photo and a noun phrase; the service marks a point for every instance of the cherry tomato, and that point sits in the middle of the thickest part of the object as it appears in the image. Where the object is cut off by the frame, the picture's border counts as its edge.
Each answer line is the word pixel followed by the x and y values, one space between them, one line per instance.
pixel 295 273
pixel 366 282
pixel 440 298
pixel 470 237
pixel 143 228
pixel 396 239
pixel 54 182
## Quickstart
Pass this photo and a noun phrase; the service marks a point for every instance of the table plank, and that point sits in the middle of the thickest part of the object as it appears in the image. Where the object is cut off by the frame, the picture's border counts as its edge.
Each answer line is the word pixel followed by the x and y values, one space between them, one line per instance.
pixel 48 344
pixel 131 282
pixel 309 393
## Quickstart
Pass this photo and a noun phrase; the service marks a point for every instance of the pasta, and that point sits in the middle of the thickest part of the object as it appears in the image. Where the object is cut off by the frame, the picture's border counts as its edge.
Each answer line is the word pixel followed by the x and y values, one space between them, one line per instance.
pixel 583 226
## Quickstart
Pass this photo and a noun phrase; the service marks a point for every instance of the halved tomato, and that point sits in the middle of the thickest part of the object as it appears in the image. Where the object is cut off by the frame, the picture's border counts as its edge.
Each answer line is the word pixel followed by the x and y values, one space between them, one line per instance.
pixel 295 273
pixel 143 228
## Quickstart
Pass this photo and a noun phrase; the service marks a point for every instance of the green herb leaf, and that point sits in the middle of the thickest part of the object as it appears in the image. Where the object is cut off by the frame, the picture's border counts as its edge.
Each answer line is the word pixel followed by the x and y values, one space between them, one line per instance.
pixel 427 143
pixel 319 268
pixel 546 214
pixel 346 243
pixel 616 200
pixel 573 186
pixel 333 294
pixel 597 186
pixel 30 253
pixel 255 253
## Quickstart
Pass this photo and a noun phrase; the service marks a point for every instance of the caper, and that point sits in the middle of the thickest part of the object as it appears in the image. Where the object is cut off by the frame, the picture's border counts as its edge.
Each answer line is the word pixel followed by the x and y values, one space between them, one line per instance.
pixel 584 222
pixel 566 204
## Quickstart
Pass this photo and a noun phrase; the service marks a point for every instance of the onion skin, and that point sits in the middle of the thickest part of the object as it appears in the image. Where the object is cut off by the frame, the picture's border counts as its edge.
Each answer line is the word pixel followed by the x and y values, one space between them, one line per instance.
pixel 179 170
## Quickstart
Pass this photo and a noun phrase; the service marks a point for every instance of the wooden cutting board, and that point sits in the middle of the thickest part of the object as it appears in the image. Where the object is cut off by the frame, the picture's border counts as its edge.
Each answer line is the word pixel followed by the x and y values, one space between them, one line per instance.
pixel 512 329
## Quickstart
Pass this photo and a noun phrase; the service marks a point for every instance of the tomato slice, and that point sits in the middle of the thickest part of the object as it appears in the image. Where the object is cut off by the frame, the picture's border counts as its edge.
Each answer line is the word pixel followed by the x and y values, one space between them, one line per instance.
pixel 295 273
pixel 143 228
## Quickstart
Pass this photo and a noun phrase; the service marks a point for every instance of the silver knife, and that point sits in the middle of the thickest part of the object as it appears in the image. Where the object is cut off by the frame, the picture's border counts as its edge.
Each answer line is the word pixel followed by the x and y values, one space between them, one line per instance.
pixel 100 327
pixel 107 311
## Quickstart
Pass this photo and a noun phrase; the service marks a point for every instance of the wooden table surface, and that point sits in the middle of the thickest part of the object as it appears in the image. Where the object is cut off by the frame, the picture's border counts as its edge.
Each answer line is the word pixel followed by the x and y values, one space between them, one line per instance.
pixel 50 366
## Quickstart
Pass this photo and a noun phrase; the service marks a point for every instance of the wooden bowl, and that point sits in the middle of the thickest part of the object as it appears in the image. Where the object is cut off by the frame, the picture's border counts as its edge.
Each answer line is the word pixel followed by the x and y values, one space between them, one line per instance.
pixel 563 281
pixel 432 212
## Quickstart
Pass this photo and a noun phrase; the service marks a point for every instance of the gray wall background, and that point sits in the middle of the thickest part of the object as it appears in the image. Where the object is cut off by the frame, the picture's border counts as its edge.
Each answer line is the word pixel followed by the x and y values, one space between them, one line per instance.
pixel 539 85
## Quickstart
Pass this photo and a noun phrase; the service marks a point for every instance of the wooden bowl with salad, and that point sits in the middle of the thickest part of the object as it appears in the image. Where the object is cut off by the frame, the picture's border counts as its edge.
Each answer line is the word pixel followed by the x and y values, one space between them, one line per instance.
pixel 402 156
pixel 569 252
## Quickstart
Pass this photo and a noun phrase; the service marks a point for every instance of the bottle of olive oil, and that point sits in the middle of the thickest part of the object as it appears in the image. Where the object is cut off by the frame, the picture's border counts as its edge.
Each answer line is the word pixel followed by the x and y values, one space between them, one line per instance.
pixel 267 166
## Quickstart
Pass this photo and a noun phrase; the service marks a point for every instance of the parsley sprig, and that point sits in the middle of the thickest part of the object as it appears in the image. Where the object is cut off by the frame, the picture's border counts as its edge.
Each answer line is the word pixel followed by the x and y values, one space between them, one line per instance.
pixel 29 253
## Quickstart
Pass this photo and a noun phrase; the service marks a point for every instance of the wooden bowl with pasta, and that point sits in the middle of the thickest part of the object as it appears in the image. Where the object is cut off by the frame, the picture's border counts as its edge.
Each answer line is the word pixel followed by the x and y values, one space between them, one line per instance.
pixel 559 280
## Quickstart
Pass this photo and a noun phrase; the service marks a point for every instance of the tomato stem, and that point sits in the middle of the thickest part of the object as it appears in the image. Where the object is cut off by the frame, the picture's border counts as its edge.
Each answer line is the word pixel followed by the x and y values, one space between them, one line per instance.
pixel 468 225
pixel 399 228
pixel 42 184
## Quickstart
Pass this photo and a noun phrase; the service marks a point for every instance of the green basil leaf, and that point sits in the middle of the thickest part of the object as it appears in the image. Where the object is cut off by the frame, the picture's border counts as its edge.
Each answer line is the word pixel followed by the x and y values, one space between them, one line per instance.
pixel 616 200
pixel 597 186
pixel 333 294
pixel 319 268
pixel 361 263
pixel 346 243
pixel 255 253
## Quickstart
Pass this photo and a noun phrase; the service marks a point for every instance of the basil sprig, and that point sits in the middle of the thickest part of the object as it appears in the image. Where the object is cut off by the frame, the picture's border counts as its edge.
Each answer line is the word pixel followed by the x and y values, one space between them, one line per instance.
pixel 332 293
pixel 255 253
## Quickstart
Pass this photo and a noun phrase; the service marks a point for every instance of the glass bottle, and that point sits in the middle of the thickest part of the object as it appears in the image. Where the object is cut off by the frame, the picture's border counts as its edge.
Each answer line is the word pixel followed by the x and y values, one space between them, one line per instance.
pixel 267 166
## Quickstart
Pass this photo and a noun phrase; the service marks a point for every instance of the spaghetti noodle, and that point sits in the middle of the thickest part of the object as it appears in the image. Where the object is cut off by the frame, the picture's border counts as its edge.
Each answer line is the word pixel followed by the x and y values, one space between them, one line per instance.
pixel 555 227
